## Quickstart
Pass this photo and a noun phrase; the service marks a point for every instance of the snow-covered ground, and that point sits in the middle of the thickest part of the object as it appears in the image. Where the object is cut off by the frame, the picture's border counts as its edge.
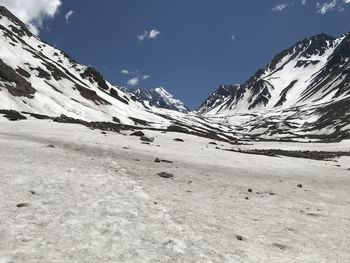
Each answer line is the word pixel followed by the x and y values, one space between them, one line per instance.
pixel 93 197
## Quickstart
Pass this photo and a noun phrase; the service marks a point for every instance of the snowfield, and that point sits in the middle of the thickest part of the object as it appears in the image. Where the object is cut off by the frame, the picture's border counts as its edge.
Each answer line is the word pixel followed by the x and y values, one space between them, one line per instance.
pixel 71 194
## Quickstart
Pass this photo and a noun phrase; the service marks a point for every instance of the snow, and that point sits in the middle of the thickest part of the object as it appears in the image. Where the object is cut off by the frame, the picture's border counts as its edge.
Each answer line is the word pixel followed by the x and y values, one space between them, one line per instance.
pixel 33 53
pixel 97 201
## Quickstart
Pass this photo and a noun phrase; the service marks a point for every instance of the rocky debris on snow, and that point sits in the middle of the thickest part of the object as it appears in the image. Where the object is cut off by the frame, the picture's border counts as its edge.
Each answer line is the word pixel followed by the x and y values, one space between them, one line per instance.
pixel 300 185
pixel 50 146
pixel 157 160
pixel 32 192
pixel 250 190
pixel 165 175
pixel 178 140
pixel 166 161
pixel 22 205
pixel 146 139
pixel 104 126
pixel 138 134
pixel 314 155
pixel 12 115
pixel 279 246
pixel 213 143
pixel 176 128
pixel 239 237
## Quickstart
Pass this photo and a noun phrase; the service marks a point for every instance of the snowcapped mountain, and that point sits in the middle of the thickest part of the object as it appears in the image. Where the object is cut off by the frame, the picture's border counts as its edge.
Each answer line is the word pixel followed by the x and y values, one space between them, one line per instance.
pixel 40 81
pixel 303 92
pixel 157 97
pixel 218 97
pixel 314 71
pixel 37 78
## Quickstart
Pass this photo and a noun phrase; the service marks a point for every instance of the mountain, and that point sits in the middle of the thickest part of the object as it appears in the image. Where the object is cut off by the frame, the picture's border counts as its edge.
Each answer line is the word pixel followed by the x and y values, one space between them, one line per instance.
pixel 302 94
pixel 157 97
pixel 303 90
pixel 314 70
pixel 218 97
pixel 40 79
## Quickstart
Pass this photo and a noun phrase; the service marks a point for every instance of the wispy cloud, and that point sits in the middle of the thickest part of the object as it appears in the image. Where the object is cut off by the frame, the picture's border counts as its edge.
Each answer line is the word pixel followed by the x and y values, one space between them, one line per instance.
pixel 68 15
pixel 326 7
pixel 133 82
pixel 136 80
pixel 281 7
pixel 128 72
pixel 152 34
pixel 233 37
pixel 33 12
pixel 303 2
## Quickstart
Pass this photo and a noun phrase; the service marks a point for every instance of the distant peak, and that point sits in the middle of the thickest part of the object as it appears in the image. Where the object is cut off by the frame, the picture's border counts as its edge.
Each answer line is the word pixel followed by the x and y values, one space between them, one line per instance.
pixel 322 37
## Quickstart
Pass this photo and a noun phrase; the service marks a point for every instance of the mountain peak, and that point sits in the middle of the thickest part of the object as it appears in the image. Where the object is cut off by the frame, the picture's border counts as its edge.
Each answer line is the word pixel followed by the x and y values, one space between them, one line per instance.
pixel 158 97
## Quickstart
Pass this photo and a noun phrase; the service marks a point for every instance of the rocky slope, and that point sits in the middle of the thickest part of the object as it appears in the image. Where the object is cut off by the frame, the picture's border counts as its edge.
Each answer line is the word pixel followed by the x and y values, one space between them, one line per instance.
pixel 304 91
pixel 303 94
pixel 315 70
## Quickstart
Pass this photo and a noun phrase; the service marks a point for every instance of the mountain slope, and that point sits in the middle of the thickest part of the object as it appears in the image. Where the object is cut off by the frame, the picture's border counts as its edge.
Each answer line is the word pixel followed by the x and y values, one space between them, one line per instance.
pixel 37 78
pixel 157 97
pixel 40 81
pixel 303 93
pixel 315 70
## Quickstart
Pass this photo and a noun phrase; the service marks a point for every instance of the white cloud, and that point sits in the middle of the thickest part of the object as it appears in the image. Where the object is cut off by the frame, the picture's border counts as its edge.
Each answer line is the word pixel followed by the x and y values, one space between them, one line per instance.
pixel 68 15
pixel 134 81
pixel 281 7
pixel 347 1
pixel 326 7
pixel 128 72
pixel 233 37
pixel 303 2
pixel 153 34
pixel 33 12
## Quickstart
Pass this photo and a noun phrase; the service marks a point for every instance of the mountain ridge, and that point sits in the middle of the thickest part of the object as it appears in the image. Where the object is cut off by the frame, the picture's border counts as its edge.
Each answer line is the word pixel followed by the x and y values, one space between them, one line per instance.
pixel 302 94
pixel 157 97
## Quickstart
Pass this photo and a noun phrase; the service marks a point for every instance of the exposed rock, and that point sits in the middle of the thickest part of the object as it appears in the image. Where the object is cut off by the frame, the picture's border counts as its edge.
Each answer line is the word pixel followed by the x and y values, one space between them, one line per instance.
pixel 12 115
pixel 138 133
pixel 157 160
pixel 239 237
pixel 178 140
pixel 146 139
pixel 176 128
pixel 22 87
pixel 165 175
pixel 279 246
pixel 22 205
pixel 166 161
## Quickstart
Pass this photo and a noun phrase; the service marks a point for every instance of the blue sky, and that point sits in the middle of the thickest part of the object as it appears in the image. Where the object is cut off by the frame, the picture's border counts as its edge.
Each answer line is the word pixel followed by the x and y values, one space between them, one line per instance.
pixel 189 47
